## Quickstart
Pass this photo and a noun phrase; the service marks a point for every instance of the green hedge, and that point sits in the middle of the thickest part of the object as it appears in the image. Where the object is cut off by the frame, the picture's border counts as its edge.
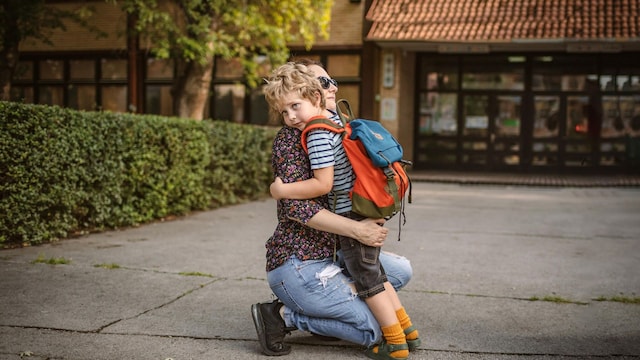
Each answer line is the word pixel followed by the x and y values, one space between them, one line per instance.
pixel 65 172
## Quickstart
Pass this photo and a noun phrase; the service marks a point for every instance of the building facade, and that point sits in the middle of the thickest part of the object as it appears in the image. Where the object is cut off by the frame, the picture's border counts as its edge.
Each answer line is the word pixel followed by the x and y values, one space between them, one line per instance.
pixel 516 86
pixel 491 85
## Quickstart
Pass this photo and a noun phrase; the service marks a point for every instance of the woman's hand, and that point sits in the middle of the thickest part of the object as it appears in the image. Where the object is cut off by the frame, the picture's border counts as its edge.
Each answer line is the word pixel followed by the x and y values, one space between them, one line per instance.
pixel 274 189
pixel 371 232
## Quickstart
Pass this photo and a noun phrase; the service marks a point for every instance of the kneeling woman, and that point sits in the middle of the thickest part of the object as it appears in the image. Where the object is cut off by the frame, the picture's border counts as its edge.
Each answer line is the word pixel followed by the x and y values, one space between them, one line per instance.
pixel 313 293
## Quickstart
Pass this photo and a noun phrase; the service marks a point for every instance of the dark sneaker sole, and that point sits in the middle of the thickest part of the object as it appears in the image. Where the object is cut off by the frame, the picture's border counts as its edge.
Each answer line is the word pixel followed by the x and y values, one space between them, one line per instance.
pixel 260 330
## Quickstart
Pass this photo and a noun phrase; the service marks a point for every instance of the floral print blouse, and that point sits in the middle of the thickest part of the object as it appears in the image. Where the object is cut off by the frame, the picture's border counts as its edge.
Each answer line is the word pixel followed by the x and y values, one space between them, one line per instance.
pixel 292 237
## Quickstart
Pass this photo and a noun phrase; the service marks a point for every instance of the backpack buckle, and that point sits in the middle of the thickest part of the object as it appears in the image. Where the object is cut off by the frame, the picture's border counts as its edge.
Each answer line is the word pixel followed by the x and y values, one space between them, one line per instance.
pixel 388 172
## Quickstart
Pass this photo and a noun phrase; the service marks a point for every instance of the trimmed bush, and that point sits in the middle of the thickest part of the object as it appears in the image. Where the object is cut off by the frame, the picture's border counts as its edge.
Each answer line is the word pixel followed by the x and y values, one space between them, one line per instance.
pixel 65 172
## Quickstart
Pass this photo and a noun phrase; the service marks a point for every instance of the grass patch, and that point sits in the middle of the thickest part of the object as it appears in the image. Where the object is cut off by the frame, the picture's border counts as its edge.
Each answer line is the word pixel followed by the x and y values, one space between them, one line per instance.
pixel 556 299
pixel 107 266
pixel 41 259
pixel 620 299
pixel 194 273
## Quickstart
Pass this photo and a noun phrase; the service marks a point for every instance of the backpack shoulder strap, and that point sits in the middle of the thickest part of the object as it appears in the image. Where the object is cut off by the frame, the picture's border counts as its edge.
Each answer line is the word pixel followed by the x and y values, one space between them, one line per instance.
pixel 346 116
pixel 319 122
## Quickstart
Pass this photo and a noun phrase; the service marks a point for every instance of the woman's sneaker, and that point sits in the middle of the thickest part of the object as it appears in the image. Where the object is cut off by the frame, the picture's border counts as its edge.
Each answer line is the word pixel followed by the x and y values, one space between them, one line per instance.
pixel 270 327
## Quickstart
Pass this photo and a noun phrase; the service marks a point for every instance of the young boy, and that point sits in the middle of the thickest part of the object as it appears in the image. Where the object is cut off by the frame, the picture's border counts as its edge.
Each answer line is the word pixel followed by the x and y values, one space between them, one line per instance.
pixel 295 93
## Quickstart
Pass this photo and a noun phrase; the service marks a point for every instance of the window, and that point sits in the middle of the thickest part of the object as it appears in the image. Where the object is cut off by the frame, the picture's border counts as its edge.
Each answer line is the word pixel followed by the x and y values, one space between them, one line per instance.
pixel 24 71
pixel 51 95
pixel 507 123
pixel 113 69
pixel 82 70
pixel 158 100
pixel 82 97
pixel 159 69
pixel 158 82
pixel 447 80
pixel 114 98
pixel 22 94
pixel 562 73
pixel 113 85
pixel 51 70
pixel 228 102
pixel 438 114
pixel 492 72
pixel 78 83
pixel 546 116
pixel 476 115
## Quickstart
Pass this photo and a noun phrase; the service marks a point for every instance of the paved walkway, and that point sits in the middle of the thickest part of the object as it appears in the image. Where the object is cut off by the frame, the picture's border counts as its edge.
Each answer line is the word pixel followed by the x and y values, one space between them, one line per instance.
pixel 500 272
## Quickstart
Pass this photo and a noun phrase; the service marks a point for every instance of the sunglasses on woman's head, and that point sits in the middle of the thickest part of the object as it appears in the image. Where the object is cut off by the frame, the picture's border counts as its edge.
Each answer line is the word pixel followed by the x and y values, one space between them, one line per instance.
pixel 326 82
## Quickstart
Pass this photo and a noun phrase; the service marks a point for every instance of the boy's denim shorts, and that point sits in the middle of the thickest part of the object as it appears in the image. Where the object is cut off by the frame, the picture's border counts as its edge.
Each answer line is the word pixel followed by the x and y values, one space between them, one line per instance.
pixel 363 264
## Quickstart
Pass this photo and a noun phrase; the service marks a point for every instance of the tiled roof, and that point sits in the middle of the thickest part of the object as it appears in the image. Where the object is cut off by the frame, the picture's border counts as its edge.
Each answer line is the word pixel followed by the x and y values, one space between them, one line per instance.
pixel 504 20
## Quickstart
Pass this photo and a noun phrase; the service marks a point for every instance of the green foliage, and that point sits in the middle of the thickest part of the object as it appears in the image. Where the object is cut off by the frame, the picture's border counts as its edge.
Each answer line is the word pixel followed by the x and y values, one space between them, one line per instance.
pixel 248 153
pixel 194 30
pixel 66 172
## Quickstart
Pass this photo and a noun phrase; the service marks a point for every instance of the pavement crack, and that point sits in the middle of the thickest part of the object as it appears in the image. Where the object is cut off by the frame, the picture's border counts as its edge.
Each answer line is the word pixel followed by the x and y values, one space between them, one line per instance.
pixel 188 292
pixel 551 299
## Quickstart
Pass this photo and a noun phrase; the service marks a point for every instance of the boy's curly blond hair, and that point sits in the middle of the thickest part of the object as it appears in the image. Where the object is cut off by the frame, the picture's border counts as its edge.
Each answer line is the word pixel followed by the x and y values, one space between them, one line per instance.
pixel 288 78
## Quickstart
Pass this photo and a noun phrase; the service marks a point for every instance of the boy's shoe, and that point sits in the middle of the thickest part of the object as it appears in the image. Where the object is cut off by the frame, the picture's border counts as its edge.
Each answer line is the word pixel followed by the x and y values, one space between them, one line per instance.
pixel 270 328
pixel 385 350
pixel 413 344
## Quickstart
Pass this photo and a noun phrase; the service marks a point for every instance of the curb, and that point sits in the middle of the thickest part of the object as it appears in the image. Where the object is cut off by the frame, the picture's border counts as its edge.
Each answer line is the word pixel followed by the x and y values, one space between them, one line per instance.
pixel 546 180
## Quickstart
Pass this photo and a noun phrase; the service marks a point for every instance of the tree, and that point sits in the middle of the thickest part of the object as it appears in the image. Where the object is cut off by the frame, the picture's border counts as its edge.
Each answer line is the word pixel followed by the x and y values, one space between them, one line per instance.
pixel 193 32
pixel 34 20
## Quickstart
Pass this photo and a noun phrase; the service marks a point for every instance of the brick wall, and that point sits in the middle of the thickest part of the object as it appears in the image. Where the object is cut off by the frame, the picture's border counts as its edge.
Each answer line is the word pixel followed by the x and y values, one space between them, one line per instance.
pixel 345 29
pixel 110 19
pixel 346 24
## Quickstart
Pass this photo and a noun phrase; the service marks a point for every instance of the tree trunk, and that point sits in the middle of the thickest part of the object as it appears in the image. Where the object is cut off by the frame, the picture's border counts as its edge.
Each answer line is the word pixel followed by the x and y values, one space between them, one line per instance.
pixel 191 90
pixel 6 73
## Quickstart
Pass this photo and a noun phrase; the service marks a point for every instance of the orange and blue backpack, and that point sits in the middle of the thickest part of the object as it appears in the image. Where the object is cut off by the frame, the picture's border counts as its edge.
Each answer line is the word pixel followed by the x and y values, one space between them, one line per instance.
pixel 376 158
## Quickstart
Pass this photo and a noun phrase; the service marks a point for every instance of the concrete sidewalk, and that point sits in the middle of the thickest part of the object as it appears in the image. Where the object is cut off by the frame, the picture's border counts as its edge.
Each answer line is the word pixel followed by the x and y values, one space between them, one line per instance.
pixel 481 254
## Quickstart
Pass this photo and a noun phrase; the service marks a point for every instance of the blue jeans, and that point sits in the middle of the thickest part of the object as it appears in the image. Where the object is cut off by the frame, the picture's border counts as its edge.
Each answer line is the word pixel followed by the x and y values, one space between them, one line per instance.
pixel 327 305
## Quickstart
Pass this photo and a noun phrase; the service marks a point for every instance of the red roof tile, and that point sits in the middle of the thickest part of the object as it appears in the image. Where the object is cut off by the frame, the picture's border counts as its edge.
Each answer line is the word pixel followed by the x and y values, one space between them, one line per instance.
pixel 504 20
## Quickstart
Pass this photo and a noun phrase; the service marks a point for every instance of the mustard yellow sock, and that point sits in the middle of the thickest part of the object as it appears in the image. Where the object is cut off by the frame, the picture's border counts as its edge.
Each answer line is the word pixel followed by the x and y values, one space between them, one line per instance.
pixel 394 334
pixel 405 322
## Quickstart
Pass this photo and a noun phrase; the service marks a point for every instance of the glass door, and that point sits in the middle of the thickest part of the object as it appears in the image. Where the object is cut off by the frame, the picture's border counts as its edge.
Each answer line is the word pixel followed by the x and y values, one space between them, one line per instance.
pixel 577 147
pixel 506 131
pixel 491 130
pixel 546 130
pixel 475 130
